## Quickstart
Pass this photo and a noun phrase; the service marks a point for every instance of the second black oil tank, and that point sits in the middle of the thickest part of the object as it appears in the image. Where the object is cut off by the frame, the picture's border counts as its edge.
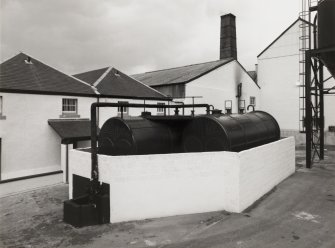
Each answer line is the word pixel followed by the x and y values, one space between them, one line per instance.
pixel 230 132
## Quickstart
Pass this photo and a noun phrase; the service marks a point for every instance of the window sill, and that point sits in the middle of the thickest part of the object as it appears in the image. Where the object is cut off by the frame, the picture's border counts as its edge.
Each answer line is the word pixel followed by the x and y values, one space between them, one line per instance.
pixel 69 116
pixel 2 117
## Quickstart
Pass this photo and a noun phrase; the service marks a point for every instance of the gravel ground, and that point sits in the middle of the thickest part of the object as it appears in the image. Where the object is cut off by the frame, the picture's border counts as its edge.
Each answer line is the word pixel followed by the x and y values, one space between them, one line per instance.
pixel 299 212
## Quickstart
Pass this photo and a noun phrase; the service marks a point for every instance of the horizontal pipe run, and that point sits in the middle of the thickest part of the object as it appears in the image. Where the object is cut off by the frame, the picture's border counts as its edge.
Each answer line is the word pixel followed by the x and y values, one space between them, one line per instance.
pixel 94 187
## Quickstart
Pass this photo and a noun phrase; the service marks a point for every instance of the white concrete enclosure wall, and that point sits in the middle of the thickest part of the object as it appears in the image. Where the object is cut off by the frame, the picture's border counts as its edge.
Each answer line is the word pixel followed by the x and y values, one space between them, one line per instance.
pixel 150 186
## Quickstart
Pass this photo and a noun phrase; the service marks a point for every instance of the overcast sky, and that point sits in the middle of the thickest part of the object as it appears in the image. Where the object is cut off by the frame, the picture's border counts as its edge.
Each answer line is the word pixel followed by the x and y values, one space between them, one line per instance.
pixel 137 35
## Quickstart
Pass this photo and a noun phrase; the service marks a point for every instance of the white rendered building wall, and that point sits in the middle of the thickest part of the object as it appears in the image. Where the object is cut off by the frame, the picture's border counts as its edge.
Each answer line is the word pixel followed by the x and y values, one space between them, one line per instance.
pixel 29 144
pixel 278 77
pixel 221 84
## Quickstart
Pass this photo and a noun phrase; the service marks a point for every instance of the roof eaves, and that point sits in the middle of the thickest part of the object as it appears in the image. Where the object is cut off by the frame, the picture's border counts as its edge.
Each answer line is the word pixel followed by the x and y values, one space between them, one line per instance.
pixel 278 37
pixel 146 86
pixel 41 92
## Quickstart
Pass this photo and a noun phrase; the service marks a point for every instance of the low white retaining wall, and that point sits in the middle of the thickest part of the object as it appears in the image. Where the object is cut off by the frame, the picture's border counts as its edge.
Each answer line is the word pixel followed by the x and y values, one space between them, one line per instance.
pixel 150 186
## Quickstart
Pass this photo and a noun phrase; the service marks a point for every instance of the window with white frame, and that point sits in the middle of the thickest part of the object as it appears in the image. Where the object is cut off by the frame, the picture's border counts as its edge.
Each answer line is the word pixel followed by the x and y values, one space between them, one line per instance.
pixel 252 100
pixel 228 104
pixel 2 117
pixel 124 109
pixel 160 110
pixel 69 106
pixel 0 105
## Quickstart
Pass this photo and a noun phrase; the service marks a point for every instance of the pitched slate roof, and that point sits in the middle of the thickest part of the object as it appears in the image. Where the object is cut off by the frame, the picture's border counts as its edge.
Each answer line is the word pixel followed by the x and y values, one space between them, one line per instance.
pixel 91 76
pixel 71 129
pixel 111 82
pixel 253 75
pixel 178 75
pixel 18 74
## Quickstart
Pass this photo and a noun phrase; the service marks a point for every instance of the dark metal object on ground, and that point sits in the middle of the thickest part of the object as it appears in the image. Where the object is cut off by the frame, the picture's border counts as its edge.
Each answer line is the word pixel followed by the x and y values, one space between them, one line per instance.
pixel 230 132
pixel 84 211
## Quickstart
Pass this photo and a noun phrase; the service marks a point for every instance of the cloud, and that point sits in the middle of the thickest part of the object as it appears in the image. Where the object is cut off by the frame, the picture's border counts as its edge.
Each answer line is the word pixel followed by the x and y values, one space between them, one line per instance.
pixel 131 35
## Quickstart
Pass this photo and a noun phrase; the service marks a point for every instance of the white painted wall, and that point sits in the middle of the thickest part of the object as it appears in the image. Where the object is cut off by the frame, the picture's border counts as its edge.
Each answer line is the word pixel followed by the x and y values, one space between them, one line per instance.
pixel 263 167
pixel 29 145
pixel 221 84
pixel 278 76
pixel 151 186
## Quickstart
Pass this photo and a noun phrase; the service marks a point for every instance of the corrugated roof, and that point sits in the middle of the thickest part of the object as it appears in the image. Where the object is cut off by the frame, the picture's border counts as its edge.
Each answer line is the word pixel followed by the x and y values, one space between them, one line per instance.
pixel 17 74
pixel 112 82
pixel 71 129
pixel 178 75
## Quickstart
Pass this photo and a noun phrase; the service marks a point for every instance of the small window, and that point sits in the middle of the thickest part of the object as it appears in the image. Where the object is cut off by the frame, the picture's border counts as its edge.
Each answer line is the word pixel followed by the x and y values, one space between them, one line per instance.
pixel 252 100
pixel 160 110
pixel 241 106
pixel 70 106
pixel 2 117
pixel 0 105
pixel 228 104
pixel 125 109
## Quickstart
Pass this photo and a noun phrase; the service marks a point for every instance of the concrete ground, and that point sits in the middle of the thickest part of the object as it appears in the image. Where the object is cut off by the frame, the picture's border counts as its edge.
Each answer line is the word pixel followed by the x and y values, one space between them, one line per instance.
pixel 299 212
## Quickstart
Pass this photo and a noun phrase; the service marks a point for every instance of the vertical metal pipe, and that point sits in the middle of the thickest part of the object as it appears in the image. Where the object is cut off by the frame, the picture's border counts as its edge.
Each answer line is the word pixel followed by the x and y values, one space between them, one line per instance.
pixel 67 164
pixel 98 112
pixel 322 117
pixel 192 112
pixel 308 105
pixel 94 157
pixel 0 159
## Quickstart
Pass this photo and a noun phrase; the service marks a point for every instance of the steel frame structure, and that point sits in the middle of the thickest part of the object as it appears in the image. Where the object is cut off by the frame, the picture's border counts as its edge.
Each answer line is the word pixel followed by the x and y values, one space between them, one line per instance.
pixel 314 96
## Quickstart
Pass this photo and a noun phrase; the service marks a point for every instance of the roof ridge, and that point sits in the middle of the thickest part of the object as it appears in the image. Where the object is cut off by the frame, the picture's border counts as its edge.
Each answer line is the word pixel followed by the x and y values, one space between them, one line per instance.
pixel 223 61
pixel 106 67
pixel 81 81
pixel 103 75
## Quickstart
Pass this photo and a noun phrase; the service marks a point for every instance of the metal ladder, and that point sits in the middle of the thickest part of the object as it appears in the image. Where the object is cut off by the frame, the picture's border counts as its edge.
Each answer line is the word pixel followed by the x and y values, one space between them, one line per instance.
pixel 304 45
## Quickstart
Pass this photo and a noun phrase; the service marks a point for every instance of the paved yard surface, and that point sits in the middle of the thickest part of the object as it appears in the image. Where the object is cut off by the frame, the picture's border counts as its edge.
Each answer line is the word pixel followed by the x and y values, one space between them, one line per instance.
pixel 300 212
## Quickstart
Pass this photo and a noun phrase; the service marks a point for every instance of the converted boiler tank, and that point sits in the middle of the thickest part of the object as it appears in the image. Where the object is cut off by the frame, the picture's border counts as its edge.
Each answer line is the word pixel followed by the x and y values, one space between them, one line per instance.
pixel 136 136
pixel 230 132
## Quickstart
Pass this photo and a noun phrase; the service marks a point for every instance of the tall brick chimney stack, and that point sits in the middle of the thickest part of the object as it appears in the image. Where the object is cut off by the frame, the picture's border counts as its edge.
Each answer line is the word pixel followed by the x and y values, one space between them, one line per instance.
pixel 228 47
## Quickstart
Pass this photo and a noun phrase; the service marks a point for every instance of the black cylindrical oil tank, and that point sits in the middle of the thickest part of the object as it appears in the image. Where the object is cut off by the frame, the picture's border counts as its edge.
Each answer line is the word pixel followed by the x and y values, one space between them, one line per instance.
pixel 135 136
pixel 230 132
pixel 326 33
